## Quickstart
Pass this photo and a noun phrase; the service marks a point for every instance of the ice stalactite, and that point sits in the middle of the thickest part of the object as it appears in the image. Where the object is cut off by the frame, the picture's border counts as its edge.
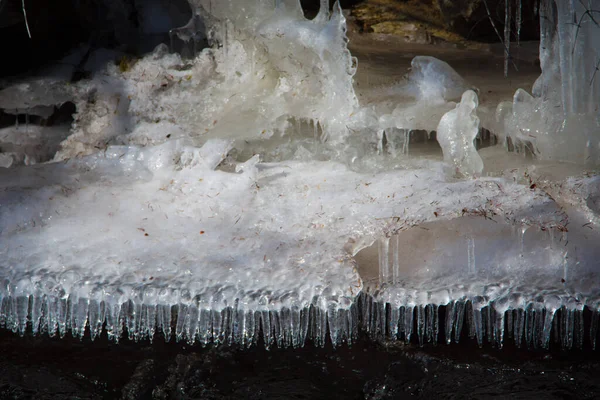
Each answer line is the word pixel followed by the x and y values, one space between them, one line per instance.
pixel 563 117
pixel 501 280
pixel 535 327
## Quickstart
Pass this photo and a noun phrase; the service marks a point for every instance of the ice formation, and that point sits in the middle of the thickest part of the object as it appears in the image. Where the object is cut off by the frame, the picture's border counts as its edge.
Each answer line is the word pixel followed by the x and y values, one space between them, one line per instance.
pixel 561 119
pixel 456 133
pixel 244 192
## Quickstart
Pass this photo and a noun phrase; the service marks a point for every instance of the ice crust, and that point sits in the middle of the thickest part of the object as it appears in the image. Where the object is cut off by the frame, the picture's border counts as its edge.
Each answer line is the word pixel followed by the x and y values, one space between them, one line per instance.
pixel 232 197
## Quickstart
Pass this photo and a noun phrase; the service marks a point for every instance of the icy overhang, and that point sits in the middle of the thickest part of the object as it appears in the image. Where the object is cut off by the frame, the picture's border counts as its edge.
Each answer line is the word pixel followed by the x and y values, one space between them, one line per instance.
pixel 86 240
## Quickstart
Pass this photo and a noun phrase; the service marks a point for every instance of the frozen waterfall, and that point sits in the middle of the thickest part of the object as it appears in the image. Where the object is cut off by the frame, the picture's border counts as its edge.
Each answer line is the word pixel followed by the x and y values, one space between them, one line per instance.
pixel 247 194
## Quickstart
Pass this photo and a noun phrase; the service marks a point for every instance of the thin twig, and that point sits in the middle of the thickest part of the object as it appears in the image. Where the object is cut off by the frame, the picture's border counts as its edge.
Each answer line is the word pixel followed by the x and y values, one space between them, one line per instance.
pixel 595 70
pixel 506 50
pixel 588 12
pixel 25 15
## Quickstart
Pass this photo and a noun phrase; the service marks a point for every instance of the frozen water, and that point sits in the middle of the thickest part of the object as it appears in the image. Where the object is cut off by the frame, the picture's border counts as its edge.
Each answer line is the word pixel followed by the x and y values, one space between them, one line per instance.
pixel 562 119
pixel 243 192
pixel 456 133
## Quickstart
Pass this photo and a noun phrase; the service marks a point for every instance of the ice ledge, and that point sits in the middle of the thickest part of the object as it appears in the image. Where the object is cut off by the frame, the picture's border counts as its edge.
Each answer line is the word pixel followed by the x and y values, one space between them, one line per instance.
pixel 130 237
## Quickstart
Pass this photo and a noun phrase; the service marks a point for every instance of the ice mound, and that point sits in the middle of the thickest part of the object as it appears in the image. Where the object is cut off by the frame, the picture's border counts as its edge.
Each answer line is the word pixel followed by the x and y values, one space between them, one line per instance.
pixel 435 80
pixel 163 228
pixel 456 132
pixel 423 97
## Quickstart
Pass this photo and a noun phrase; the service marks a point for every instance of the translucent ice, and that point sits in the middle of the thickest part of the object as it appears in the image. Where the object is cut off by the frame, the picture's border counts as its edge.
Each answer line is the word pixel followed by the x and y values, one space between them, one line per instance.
pixel 456 133
pixel 435 80
pixel 563 117
pixel 423 97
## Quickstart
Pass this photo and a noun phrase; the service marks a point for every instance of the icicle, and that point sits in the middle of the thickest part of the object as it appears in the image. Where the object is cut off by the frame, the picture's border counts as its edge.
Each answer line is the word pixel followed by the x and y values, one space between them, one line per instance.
pixel 405 146
pixel 507 12
pixel 471 267
pixel 450 318
pixel 22 304
pixel 380 320
pixel 529 326
pixel 421 324
pixel 458 325
pixel 180 324
pixel 500 310
pixel 594 328
pixel 579 329
pixel 519 326
pixel 80 317
pixel 205 328
pixel 550 312
pixel 429 322
pixel 37 303
pixel 478 325
pixel 224 30
pixel 192 324
pixel 267 329
pixel 384 263
pixel 436 327
pixel 396 259
pixel 393 323
pixel 303 328
pixel 509 323
pixel 380 134
pixel 538 327
pixel 551 304
pixel 408 323
pixel 488 315
pixel 521 234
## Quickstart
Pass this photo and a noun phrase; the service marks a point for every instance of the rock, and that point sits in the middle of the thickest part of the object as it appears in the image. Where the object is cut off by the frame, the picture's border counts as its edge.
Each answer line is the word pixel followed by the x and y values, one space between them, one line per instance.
pixel 453 21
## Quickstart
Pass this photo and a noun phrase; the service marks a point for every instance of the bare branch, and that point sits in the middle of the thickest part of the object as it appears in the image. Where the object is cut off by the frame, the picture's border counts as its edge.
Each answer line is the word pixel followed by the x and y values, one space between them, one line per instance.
pixel 25 16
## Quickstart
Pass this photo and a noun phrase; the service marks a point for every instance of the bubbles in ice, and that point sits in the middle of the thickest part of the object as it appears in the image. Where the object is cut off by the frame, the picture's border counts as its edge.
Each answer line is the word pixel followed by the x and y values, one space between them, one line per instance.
pixel 456 132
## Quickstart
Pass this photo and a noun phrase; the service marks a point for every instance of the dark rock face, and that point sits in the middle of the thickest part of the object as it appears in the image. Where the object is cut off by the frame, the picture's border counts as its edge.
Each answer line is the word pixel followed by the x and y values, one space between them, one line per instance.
pixel 68 368
pixel 134 26
pixel 471 19
pixel 54 30
pixel 137 26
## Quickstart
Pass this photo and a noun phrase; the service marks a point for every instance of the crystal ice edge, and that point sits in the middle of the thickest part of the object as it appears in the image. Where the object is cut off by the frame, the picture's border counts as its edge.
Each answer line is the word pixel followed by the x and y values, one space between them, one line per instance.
pixel 534 326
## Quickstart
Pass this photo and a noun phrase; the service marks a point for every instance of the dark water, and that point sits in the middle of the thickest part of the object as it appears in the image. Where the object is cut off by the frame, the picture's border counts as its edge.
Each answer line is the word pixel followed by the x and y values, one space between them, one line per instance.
pixel 45 368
